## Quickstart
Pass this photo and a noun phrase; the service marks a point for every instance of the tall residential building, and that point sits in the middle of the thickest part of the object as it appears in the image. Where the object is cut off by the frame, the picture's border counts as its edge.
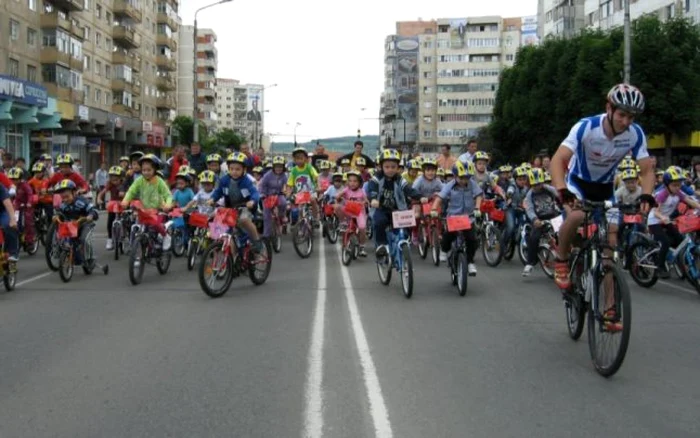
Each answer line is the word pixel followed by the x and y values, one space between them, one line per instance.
pixel 441 77
pixel 207 63
pixel 241 107
pixel 82 76
pixel 566 18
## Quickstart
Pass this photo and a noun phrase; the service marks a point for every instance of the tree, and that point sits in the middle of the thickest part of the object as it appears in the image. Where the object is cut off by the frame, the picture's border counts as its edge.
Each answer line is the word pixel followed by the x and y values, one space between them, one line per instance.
pixel 183 130
pixel 228 138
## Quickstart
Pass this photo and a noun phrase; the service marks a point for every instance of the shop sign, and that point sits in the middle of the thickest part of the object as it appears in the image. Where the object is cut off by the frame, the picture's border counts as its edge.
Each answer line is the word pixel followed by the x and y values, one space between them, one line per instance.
pixel 83 112
pixel 22 91
pixel 60 139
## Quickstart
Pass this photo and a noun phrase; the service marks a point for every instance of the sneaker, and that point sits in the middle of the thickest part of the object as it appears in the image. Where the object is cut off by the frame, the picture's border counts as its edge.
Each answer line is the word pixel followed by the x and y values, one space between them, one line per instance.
pixel 611 322
pixel 13 259
pixel 527 271
pixel 382 251
pixel 167 241
pixel 362 252
pixel 561 274
pixel 471 268
pixel 443 256
pixel 110 245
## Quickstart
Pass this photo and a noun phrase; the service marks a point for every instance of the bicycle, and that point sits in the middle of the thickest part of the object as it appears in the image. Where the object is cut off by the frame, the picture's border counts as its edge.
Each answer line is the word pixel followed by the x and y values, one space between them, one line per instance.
pixel 69 246
pixel 231 254
pixel 589 273
pixel 145 247
pixel 121 228
pixel 398 255
pixel 303 231
pixel 547 246
pixel 429 232
pixel 491 234
pixel 271 203
pixel 330 223
pixel 29 248
pixel 457 262
pixel 178 231
pixel 8 269
pixel 350 230
pixel 200 240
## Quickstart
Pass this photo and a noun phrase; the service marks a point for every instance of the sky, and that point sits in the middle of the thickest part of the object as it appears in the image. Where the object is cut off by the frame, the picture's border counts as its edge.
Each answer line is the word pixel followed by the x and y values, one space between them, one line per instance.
pixel 326 56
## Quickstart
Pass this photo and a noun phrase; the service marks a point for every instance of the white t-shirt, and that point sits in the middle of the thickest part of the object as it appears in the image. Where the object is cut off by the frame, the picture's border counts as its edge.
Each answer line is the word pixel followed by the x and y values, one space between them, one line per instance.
pixel 596 156
pixel 201 198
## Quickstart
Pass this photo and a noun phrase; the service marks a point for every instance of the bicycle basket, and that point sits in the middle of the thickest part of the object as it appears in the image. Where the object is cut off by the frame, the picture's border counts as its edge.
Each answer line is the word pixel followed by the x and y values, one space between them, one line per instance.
pixel 149 217
pixel 487 205
pixel 198 220
pixel 227 216
pixel 459 223
pixel 114 207
pixel 328 209
pixel 632 218
pixel 497 215
pixel 271 202
pixel 688 223
pixel 302 198
pixel 67 230
pixel 353 208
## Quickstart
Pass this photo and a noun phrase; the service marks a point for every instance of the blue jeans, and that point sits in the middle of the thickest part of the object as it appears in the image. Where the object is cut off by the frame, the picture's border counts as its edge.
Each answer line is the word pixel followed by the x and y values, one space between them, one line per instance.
pixel 381 220
pixel 11 235
pixel 513 219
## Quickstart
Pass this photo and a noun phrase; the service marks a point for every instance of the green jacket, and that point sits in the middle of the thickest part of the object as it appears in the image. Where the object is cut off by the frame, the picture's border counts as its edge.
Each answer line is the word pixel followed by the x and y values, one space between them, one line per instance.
pixel 152 194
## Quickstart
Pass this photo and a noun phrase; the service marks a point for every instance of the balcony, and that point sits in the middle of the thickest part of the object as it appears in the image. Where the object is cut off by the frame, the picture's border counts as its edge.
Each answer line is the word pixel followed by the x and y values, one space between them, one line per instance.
pixel 124 110
pixel 166 63
pixel 121 85
pixel 68 5
pixel 207 48
pixel 163 18
pixel 64 94
pixel 54 21
pixel 51 55
pixel 206 92
pixel 164 40
pixel 165 83
pixel 123 8
pixel 206 62
pixel 121 57
pixel 167 102
pixel 126 36
pixel 76 64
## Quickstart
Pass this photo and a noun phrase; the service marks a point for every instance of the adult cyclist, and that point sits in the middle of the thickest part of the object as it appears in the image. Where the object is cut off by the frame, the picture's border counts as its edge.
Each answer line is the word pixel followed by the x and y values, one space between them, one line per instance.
pixel 591 153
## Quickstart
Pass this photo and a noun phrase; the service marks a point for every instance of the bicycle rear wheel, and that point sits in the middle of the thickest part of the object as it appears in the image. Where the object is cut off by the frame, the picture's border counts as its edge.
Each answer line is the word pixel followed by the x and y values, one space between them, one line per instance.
pixel 607 341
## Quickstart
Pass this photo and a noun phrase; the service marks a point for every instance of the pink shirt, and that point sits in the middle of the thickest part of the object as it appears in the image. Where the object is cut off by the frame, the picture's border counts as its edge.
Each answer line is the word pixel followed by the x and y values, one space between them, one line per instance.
pixel 353 195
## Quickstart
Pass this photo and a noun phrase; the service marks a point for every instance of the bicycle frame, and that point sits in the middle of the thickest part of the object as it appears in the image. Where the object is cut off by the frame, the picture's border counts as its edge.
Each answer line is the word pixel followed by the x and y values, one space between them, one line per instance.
pixel 397 238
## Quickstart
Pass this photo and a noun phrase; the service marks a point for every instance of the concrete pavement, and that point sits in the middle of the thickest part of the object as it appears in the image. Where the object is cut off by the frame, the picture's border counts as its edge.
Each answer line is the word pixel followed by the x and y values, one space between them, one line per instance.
pixel 321 350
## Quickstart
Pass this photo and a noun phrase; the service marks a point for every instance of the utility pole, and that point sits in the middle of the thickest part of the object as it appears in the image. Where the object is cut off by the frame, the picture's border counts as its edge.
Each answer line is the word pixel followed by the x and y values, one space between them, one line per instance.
pixel 627 63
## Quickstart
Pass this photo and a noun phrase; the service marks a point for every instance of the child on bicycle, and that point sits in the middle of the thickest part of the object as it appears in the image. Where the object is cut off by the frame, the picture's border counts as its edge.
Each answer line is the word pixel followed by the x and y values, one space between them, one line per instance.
pixel 40 184
pixel 207 182
pixel 115 188
pixel 65 166
pixel 627 194
pixel 303 178
pixel 540 205
pixel 515 195
pixel 153 192
pixel 135 172
pixel 73 208
pixel 237 190
pixel 324 176
pixel 214 164
pixel 273 184
pixel 388 192
pixel 124 163
pixel 353 192
pixel 183 193
pixel 361 166
pixel 427 184
pixel 659 221
pixel 463 196
pixel 411 174
pixel 23 203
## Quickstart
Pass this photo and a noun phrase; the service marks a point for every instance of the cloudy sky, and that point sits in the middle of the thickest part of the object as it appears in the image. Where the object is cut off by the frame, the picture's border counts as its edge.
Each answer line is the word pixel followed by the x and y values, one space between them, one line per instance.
pixel 326 56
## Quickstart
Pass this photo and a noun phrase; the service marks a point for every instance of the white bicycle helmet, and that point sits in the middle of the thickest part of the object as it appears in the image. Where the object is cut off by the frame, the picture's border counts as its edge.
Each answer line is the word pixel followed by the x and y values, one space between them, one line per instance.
pixel 627 98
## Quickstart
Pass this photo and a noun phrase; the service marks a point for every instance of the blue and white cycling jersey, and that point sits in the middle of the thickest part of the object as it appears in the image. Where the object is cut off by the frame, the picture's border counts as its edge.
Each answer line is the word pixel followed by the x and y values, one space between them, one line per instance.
pixel 596 156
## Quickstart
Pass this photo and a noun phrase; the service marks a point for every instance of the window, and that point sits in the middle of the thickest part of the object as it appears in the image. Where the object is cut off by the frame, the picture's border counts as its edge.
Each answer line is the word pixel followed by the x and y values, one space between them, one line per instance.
pixel 31 4
pixel 687 5
pixel 86 63
pixel 108 71
pixel 86 91
pixel 443 44
pixel 428 45
pixel 86 32
pixel 98 39
pixel 108 44
pixel 427 59
pixel 108 18
pixel 98 67
pixel 98 11
pixel 671 10
pixel 427 134
pixel 98 95
pixel 31 37
pixel 13 67
pixel 108 98
pixel 427 74
pixel 56 74
pixel 86 5
pixel 427 90
pixel 14 30
pixel 31 73
pixel 427 119
pixel 510 57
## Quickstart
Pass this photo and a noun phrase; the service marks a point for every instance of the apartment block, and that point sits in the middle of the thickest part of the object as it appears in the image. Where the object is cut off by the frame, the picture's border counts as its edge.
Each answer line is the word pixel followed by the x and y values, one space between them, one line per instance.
pixel 98 65
pixel 241 107
pixel 206 57
pixel 566 18
pixel 441 77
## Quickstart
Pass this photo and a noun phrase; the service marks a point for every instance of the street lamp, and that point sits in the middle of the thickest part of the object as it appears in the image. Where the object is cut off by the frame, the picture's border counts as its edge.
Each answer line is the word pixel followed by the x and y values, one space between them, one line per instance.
pixel 295 132
pixel 194 69
pixel 262 110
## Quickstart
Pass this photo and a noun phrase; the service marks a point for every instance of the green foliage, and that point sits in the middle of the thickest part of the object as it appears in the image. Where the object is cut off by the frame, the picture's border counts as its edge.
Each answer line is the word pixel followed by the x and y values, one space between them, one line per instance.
pixel 553 85
pixel 183 131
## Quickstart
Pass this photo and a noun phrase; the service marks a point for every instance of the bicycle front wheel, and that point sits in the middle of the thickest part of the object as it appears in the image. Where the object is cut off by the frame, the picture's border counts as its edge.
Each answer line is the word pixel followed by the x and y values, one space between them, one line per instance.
pixel 303 242
pixel 491 245
pixel 406 271
pixel 609 321
pixel 215 271
pixel 65 266
pixel 52 251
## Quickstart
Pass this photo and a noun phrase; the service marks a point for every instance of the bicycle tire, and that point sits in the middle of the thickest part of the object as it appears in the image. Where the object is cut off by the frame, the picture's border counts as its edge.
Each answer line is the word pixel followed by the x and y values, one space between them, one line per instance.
pixel 65 266
pixel 9 280
pixel 384 269
pixel 138 252
pixel 268 266
pixel 192 253
pixel 52 243
pixel 407 275
pixel 206 288
pixel 276 238
pixel 422 242
pixel 495 260
pixel 303 228
pixel 116 239
pixel 178 242
pixel 547 258
pixel 332 230
pixel 462 273
pixel 625 300
pixel 346 254
pixel 163 262
pixel 435 247
pixel 645 247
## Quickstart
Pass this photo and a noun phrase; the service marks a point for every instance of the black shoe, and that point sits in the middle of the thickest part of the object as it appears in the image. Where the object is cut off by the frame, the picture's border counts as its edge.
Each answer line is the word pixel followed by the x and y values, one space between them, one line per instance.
pixel 663 273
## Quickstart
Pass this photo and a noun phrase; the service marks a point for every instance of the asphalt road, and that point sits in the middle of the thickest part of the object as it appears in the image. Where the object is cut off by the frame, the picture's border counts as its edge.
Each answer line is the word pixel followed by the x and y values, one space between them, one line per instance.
pixel 321 350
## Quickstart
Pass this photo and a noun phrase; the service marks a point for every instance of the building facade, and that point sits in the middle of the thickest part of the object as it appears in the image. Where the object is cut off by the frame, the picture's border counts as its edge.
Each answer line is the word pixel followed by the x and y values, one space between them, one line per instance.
pixel 441 78
pixel 206 64
pixel 99 63
pixel 241 107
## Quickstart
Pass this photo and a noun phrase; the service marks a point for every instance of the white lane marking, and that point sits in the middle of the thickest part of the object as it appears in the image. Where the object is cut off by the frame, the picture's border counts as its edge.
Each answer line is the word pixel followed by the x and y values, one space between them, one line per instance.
pixel 377 407
pixel 675 286
pixel 34 278
pixel 313 417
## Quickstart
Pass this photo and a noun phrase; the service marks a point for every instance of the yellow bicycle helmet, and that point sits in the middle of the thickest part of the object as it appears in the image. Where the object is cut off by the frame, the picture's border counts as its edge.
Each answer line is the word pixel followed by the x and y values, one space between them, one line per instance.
pixel 547 177
pixel 324 165
pixel 64 159
pixel 448 172
pixel 521 171
pixel 413 164
pixel 257 169
pixel 440 172
pixel 360 161
pixel 419 160
pixel 236 157
pixel 352 172
pixel 461 170
pixel 481 156
pixel 278 161
pixel 526 165
pixel 152 159
pixel 626 163
pixel 390 155
pixel 300 150
pixel 338 174
pixel 116 171
pixel 536 176
pixel 207 177
pixel 124 158
pixel 673 174
pixel 184 170
pixel 506 168
pixel 429 162
pixel 15 173
pixel 214 158
pixel 64 185
pixel 629 174
pixel 38 167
